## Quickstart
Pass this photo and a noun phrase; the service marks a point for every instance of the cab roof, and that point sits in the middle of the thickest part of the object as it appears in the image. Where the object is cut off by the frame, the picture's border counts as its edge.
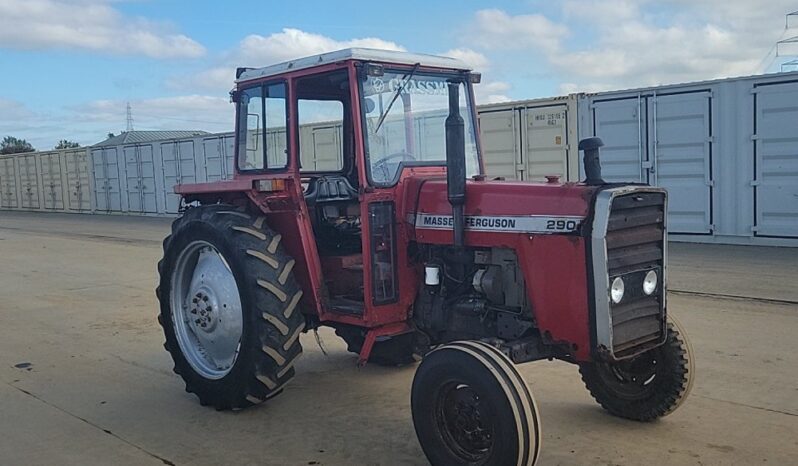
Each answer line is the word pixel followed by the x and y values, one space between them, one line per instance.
pixel 362 54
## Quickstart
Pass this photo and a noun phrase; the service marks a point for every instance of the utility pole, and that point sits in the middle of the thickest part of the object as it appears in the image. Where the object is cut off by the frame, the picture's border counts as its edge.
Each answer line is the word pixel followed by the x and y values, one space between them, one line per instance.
pixel 129 118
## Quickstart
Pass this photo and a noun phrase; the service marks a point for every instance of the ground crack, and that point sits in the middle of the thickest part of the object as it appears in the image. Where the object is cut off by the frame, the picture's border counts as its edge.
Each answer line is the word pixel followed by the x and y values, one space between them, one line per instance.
pixel 162 459
pixel 786 413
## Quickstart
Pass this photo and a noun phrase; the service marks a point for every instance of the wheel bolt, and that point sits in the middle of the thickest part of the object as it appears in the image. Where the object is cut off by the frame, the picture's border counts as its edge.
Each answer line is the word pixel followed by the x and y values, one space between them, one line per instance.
pixel 197 321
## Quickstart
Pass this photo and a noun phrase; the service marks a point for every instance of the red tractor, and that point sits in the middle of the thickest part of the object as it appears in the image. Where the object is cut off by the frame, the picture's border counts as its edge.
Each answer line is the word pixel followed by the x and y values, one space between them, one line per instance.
pixel 360 202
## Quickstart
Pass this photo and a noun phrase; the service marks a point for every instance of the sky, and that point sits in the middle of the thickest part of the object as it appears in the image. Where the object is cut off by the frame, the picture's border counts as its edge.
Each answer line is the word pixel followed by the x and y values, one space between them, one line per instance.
pixel 68 68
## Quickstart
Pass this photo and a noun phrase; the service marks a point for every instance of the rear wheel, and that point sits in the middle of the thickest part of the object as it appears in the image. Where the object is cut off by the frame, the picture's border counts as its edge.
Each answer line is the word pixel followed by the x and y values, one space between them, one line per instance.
pixel 648 386
pixel 229 307
pixel 471 406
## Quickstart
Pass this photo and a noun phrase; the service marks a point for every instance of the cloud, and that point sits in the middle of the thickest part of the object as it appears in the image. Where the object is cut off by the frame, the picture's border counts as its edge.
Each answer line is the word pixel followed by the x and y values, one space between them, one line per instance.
pixel 257 51
pixel 626 43
pixel 194 111
pixel 288 44
pixel 12 110
pixel 495 29
pixel 472 58
pixel 91 25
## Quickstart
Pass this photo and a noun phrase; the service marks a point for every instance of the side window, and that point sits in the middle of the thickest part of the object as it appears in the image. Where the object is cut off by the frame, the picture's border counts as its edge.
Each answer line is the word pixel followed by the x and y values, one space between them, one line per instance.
pixel 321 142
pixel 262 128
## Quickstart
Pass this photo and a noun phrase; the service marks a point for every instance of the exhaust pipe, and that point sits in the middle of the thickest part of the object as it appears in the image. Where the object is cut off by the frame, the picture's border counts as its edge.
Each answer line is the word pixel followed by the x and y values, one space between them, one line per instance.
pixel 591 160
pixel 455 163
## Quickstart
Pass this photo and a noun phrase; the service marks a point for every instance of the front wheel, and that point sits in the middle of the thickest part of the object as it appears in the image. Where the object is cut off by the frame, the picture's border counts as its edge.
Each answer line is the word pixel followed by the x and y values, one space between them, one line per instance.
pixel 229 306
pixel 648 386
pixel 471 406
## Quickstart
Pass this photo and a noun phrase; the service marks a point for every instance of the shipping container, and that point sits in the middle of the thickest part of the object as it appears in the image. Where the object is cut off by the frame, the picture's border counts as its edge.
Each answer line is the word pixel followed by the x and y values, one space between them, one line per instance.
pixel 726 150
pixel 531 139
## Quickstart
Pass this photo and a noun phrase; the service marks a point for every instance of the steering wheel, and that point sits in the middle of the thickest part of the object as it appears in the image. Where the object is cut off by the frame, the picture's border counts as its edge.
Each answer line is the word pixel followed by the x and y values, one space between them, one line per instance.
pixel 382 164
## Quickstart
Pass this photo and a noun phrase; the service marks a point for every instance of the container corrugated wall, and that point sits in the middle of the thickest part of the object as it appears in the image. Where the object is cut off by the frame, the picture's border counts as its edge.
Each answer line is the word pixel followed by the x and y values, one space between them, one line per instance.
pixel 726 150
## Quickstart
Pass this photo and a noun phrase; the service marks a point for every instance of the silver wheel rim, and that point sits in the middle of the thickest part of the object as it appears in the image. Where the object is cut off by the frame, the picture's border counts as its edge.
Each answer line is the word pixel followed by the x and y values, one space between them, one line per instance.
pixel 206 310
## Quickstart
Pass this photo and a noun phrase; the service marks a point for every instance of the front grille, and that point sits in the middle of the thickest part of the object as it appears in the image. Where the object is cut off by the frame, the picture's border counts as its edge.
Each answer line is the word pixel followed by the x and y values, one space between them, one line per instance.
pixel 635 245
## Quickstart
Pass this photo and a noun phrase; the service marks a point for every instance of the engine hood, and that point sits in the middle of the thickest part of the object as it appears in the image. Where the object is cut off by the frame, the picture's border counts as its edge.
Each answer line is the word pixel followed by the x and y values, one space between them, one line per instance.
pixel 502 206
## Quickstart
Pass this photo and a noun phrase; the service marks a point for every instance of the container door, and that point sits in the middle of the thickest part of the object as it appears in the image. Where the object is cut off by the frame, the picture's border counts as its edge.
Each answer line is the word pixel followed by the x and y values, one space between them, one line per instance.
pixel 327 145
pixel 499 131
pixel 681 145
pixel 108 193
pixel 132 179
pixel 8 184
pixel 178 168
pixel 29 180
pixel 776 160
pixel 213 155
pixel 545 142
pixel 229 152
pixel 52 187
pixel 147 179
pixel 77 171
pixel 620 124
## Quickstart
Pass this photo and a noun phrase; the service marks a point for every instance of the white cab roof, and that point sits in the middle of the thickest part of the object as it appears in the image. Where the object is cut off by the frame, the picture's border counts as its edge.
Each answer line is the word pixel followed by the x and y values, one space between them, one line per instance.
pixel 375 55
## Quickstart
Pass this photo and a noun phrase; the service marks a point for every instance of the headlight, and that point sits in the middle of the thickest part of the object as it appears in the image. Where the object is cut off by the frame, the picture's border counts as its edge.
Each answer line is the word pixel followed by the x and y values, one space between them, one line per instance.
pixel 650 282
pixel 616 290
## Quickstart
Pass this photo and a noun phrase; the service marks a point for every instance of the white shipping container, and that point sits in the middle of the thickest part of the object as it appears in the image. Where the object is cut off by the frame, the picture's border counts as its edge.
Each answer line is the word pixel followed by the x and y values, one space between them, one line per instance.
pixel 726 150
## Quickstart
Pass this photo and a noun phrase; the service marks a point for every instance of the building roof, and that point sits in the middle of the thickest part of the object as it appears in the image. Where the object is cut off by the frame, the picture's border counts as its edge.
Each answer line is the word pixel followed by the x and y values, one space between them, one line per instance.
pixel 137 137
pixel 373 55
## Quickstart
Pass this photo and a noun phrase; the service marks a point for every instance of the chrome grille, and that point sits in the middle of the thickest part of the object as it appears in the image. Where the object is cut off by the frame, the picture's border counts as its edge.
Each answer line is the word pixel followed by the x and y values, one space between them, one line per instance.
pixel 635 245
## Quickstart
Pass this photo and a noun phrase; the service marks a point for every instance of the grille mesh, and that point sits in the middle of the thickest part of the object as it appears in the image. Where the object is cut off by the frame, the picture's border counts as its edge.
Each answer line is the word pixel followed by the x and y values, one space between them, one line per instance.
pixel 635 243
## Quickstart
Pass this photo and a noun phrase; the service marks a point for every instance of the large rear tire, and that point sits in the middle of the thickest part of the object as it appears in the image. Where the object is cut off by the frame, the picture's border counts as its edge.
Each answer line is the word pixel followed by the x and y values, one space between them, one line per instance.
pixel 471 406
pixel 648 386
pixel 229 303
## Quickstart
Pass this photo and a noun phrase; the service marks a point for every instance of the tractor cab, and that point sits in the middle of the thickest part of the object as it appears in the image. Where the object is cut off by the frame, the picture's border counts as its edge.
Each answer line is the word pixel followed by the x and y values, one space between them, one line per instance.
pixel 345 128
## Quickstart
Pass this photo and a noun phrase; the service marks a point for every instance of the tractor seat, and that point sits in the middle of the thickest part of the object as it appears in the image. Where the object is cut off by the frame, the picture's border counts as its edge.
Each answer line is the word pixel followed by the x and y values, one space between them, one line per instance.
pixel 329 188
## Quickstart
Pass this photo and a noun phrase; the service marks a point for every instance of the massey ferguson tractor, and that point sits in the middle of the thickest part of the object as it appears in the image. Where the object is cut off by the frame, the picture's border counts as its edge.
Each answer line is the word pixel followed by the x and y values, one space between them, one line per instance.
pixel 360 202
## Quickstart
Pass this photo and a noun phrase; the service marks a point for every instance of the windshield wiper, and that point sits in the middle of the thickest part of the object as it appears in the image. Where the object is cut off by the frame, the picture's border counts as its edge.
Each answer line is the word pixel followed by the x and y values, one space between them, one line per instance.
pixel 396 95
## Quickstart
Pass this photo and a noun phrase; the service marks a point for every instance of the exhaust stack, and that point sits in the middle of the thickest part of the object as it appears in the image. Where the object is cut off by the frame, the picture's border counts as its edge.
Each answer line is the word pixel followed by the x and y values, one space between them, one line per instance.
pixel 455 163
pixel 591 160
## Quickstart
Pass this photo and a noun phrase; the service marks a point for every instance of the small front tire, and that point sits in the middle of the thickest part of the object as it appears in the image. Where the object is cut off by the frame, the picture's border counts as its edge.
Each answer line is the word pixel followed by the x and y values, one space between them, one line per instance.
pixel 471 406
pixel 648 386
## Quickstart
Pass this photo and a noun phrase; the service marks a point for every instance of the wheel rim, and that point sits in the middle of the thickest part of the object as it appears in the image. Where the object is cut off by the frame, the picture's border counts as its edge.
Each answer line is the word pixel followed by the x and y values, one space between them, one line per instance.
pixel 463 421
pixel 632 379
pixel 206 310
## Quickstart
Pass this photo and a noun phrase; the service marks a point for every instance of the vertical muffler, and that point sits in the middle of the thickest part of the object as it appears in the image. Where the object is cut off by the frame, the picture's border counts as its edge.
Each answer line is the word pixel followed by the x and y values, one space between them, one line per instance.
pixel 591 160
pixel 455 163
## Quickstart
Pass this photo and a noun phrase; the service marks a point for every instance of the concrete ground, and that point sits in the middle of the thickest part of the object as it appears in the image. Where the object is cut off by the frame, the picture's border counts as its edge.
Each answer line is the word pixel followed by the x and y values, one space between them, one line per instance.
pixel 84 378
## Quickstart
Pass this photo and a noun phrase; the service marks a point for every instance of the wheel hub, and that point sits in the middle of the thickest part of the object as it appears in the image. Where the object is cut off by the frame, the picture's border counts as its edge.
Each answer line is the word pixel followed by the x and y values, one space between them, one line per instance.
pixel 465 427
pixel 207 312
pixel 204 309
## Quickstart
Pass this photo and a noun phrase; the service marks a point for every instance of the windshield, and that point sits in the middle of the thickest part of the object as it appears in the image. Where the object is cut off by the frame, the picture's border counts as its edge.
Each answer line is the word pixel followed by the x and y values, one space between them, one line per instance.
pixel 405 112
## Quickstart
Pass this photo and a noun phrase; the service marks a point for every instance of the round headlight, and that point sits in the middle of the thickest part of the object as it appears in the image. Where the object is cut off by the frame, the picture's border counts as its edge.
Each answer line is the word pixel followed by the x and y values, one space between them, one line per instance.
pixel 650 282
pixel 616 290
